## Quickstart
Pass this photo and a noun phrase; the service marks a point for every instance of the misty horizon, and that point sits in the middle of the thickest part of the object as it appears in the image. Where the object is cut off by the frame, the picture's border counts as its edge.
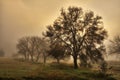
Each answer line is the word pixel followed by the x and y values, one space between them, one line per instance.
pixel 20 18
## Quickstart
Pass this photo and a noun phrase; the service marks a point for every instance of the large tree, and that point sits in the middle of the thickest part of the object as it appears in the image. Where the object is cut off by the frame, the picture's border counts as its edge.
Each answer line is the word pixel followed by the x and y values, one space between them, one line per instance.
pixel 82 32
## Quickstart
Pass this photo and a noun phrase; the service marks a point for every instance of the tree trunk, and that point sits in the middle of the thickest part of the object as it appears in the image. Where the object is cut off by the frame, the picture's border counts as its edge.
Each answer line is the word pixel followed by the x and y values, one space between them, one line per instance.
pixel 25 56
pixel 37 58
pixel 75 62
pixel 28 57
pixel 44 59
pixel 74 47
pixel 58 60
pixel 44 56
pixel 32 58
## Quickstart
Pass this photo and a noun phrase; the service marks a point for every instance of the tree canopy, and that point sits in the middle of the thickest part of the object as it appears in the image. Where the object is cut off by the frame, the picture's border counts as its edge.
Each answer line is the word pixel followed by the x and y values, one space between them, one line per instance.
pixel 82 32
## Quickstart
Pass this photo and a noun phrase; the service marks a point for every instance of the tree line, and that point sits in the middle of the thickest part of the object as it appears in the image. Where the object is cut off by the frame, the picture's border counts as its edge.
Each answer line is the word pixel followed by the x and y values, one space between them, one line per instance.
pixel 75 33
pixel 32 47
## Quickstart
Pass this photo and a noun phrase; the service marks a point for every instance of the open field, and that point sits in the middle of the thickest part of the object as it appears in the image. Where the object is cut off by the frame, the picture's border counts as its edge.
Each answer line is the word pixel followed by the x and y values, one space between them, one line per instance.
pixel 18 70
pixel 14 68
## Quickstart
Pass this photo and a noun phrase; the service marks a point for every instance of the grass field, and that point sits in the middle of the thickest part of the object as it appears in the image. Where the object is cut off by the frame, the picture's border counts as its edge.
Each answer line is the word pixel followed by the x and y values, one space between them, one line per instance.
pixel 18 70
pixel 14 68
pixel 115 68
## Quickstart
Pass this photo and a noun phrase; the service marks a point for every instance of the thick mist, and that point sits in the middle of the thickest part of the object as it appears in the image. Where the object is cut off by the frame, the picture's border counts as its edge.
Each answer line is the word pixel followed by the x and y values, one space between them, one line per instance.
pixel 29 17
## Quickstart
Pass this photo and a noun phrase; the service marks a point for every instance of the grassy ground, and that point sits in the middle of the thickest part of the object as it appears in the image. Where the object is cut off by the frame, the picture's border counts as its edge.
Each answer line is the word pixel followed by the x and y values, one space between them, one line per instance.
pixel 115 68
pixel 14 68
pixel 18 70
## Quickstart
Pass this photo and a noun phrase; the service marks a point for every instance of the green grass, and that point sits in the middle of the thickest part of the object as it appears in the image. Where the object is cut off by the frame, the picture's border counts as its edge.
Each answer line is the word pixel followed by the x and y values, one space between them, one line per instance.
pixel 19 70
pixel 66 72
pixel 13 68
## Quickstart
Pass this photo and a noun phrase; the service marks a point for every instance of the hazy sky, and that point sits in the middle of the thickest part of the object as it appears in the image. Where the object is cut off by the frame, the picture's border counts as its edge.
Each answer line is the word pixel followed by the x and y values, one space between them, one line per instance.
pixel 29 17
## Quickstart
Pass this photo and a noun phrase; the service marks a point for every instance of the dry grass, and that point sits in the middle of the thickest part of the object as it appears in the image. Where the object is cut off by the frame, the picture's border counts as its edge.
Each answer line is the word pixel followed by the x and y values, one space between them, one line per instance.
pixel 14 68
pixel 32 71
pixel 115 68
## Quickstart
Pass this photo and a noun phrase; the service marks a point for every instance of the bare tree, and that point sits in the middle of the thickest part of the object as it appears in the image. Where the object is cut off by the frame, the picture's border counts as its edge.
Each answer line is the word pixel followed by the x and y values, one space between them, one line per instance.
pixel 41 47
pixel 32 46
pixel 114 47
pixel 23 47
pixel 79 31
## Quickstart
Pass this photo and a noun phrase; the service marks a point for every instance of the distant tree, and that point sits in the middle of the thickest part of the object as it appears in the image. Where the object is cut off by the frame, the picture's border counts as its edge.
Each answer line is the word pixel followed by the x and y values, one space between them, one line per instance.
pixel 2 53
pixel 82 33
pixel 45 48
pixel 41 47
pixel 114 47
pixel 23 47
pixel 57 50
pixel 32 46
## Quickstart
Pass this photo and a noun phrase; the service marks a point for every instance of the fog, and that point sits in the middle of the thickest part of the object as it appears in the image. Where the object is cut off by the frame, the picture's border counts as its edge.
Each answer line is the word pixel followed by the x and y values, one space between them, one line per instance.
pixel 29 17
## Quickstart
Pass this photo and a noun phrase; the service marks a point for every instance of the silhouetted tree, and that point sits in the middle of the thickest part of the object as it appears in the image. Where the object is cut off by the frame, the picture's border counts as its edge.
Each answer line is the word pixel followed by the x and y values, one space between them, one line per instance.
pixel 2 53
pixel 41 48
pixel 32 46
pixel 80 31
pixel 114 47
pixel 23 47
pixel 57 51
